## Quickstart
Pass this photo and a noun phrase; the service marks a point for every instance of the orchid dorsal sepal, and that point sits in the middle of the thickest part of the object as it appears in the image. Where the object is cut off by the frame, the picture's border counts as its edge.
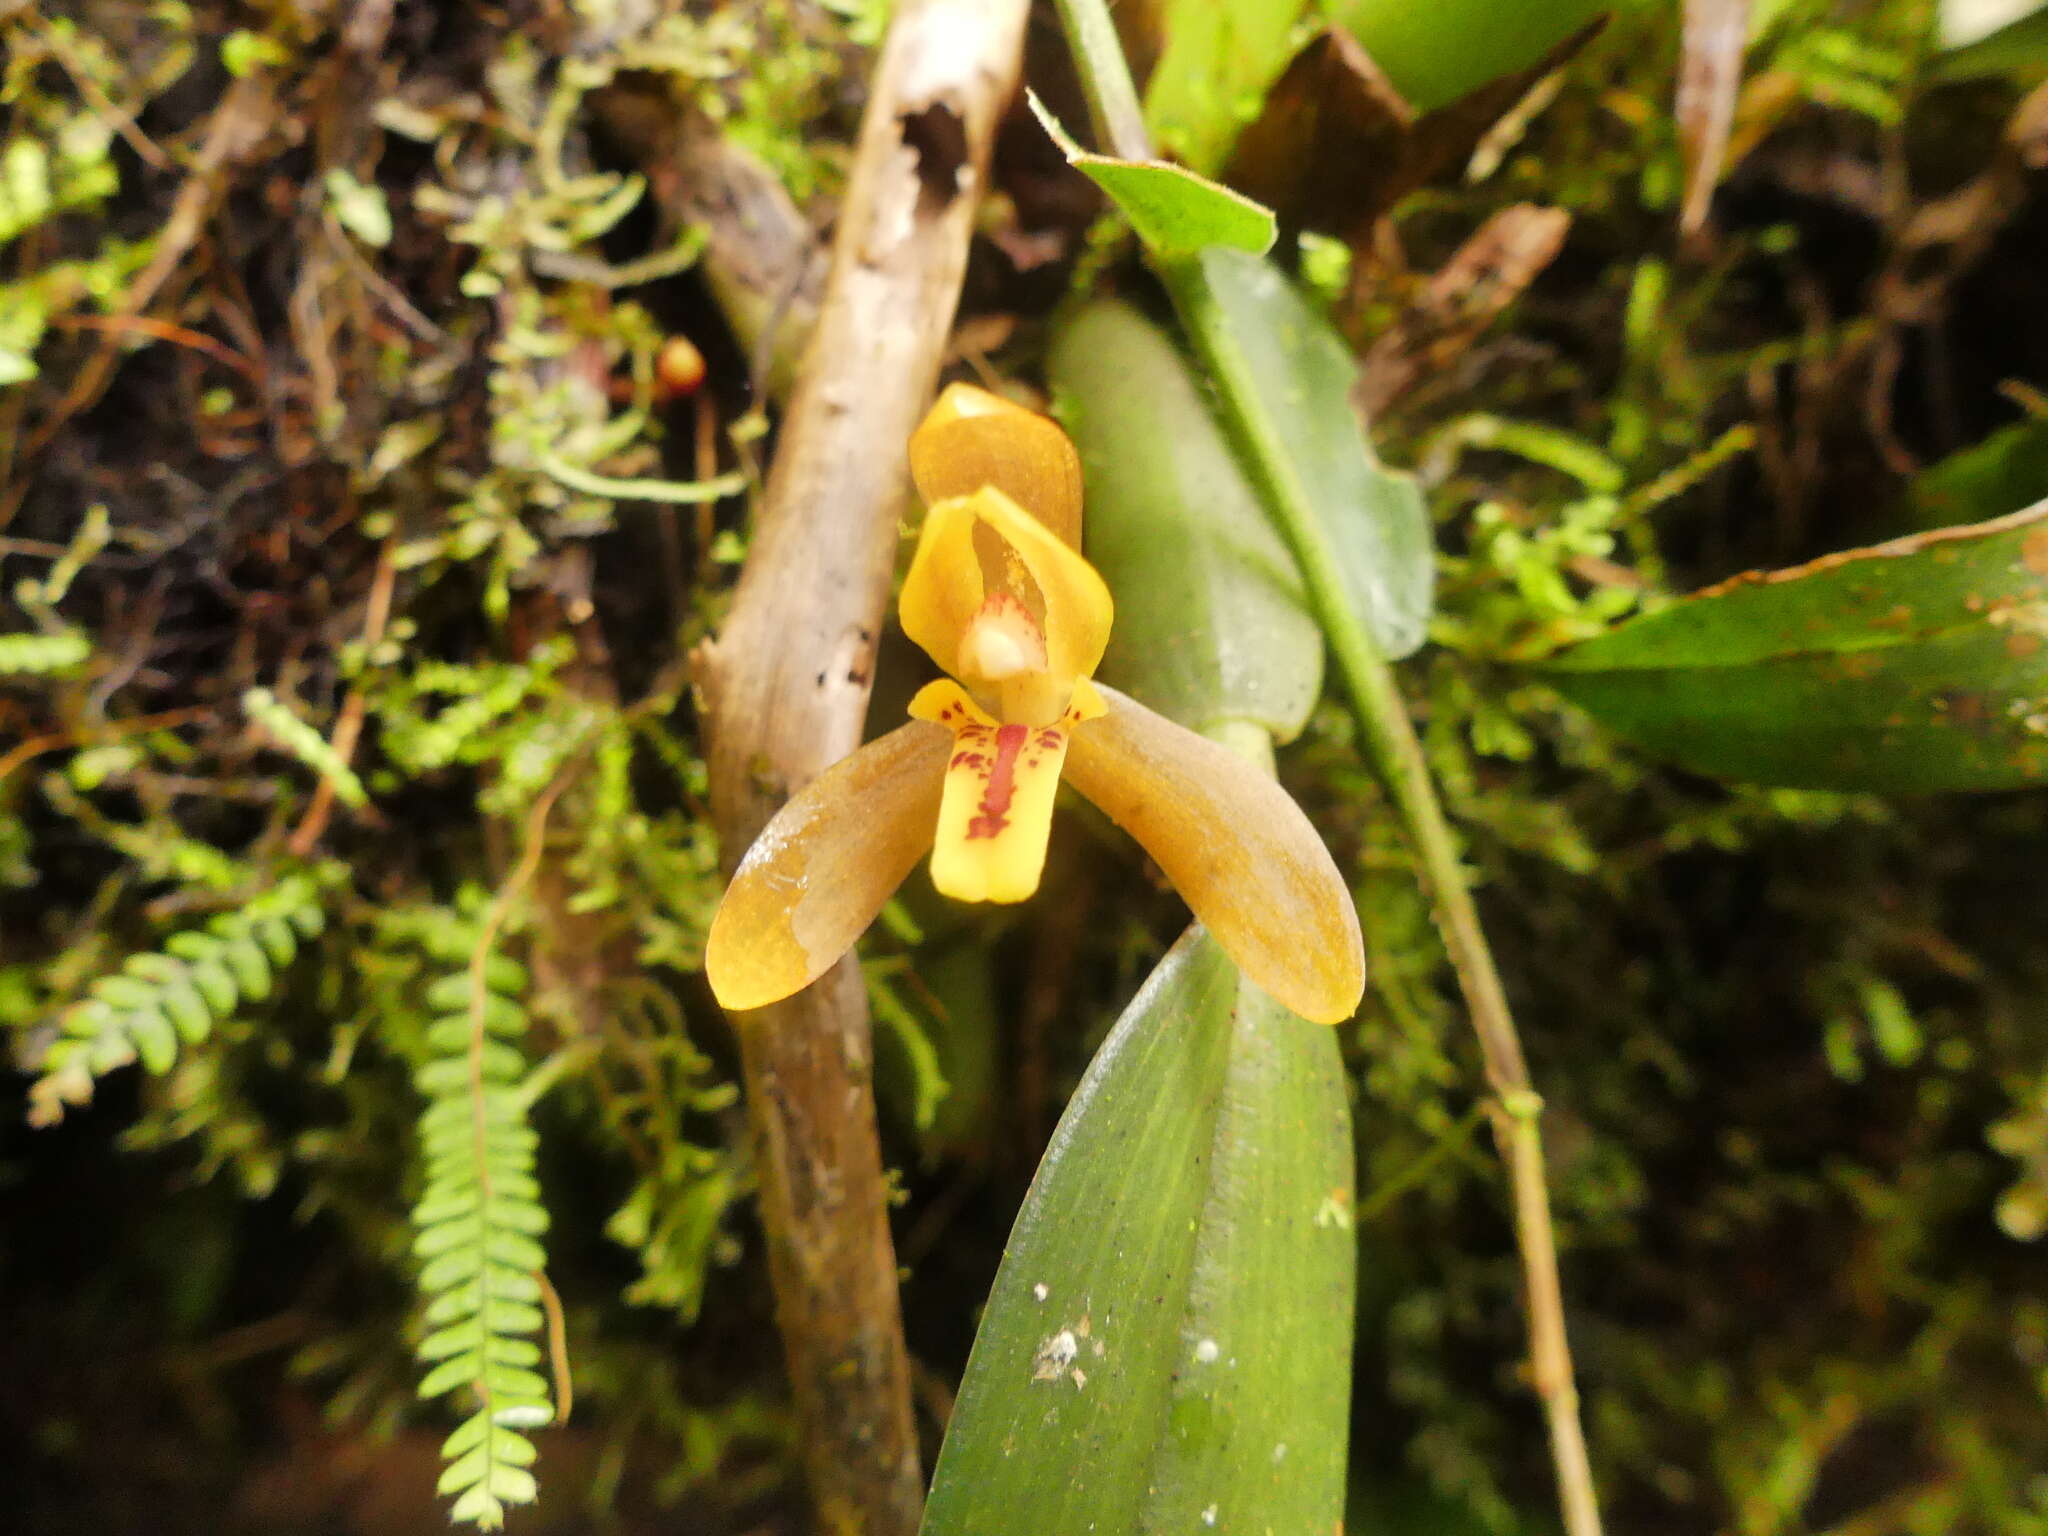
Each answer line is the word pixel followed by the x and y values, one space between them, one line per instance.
pixel 1001 599
pixel 971 438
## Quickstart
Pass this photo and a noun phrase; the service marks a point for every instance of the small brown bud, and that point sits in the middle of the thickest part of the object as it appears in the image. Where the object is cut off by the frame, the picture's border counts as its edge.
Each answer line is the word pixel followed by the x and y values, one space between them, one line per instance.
pixel 678 367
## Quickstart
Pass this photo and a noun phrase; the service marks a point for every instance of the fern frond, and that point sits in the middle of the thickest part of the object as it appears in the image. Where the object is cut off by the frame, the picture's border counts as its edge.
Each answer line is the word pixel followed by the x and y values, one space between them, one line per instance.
pixel 295 736
pixel 476 1233
pixel 445 712
pixel 162 1000
pixel 43 655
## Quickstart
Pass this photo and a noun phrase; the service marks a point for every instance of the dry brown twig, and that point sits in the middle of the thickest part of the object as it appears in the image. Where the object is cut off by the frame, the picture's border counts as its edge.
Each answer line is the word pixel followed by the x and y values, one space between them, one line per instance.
pixel 786 690
pixel 348 728
pixel 1491 270
pixel 244 118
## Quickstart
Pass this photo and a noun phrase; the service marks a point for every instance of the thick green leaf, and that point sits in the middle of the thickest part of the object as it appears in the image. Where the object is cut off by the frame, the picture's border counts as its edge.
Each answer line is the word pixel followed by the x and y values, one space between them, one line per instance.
pixel 1220 57
pixel 2009 468
pixel 2018 48
pixel 1295 374
pixel 1167 1347
pixel 1174 212
pixel 1916 665
pixel 1211 624
pixel 1433 54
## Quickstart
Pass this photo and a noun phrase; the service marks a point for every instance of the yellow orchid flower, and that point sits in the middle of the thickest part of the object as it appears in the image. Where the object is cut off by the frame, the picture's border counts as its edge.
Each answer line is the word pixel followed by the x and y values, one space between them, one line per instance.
pixel 1000 596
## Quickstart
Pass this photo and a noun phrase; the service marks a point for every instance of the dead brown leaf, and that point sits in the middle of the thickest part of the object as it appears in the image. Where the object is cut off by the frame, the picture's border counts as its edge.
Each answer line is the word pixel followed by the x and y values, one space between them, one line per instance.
pixel 1709 79
pixel 1487 274
pixel 1336 143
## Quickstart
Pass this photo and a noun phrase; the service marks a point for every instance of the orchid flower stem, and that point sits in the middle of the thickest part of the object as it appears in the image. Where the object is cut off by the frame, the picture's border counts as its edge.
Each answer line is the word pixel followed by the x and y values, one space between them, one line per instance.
pixel 1113 108
pixel 1389 738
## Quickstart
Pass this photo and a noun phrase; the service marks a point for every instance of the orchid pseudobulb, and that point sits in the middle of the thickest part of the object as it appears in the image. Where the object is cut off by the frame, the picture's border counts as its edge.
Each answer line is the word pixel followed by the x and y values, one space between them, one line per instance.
pixel 1000 597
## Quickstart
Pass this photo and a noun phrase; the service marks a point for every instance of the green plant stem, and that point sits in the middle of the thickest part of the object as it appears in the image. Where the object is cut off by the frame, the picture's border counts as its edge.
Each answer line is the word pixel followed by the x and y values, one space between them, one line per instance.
pixel 679 492
pixel 1113 108
pixel 1396 753
pixel 1453 1143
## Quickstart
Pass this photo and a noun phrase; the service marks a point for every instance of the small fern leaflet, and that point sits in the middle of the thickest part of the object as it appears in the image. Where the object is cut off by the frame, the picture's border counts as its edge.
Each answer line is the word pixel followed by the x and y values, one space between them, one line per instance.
pixel 44 655
pixel 293 735
pixel 160 1001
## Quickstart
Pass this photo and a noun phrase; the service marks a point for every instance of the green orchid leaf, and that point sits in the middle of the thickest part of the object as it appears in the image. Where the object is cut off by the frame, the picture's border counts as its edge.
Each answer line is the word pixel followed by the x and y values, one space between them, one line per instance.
pixel 2016 47
pixel 1167 1347
pixel 1917 665
pixel 1434 54
pixel 1174 212
pixel 1211 622
pixel 1219 59
pixel 2009 468
pixel 1290 376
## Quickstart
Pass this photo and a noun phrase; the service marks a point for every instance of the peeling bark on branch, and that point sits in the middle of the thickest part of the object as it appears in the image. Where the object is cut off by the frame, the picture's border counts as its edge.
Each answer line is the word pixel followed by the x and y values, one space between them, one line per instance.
pixel 786 689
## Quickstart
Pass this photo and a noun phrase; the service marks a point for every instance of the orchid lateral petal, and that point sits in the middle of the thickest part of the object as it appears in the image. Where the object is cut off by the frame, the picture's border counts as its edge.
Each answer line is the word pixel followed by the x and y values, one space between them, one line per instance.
pixel 971 438
pixel 1238 850
pixel 820 871
pixel 1000 784
pixel 942 591
pixel 950 576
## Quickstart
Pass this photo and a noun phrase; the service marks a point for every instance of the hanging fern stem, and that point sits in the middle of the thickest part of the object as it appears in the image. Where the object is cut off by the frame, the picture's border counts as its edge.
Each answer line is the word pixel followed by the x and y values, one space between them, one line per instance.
pixel 479 1219
pixel 558 1347
pixel 479 959
pixel 479 963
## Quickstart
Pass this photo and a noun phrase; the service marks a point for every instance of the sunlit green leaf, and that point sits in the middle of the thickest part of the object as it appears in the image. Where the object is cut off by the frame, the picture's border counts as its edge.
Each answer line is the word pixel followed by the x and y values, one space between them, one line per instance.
pixel 1167 1347
pixel 1173 211
pixel 1433 54
pixel 468 1435
pixel 511 1351
pixel 478 1505
pixel 154 1040
pixel 1211 623
pixel 522 1412
pixel 1220 57
pixel 450 1374
pixel 1916 665
pixel 459 1339
pixel 1291 375
pixel 513 1484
